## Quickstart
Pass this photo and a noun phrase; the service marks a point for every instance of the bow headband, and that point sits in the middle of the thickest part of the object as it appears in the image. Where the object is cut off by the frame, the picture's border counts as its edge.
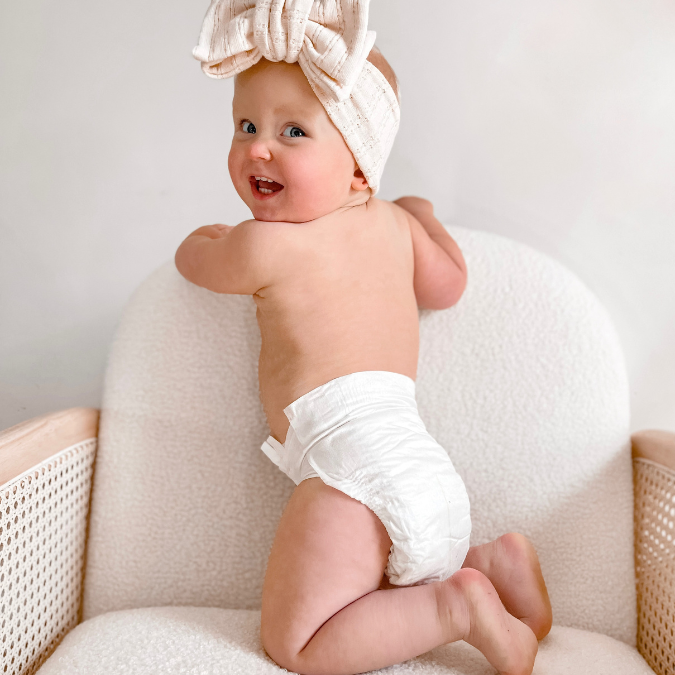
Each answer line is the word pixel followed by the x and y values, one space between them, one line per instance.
pixel 330 41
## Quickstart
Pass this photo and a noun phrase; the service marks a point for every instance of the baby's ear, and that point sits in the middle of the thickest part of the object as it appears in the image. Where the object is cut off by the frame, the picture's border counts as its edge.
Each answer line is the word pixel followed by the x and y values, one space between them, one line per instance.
pixel 359 181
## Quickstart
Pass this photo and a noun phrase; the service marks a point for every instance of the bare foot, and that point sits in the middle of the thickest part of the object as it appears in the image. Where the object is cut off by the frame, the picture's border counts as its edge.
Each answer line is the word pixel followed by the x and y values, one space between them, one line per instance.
pixel 472 605
pixel 512 565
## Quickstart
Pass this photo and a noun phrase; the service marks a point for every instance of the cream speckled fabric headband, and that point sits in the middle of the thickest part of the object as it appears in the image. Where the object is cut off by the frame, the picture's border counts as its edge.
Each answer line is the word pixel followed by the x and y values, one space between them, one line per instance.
pixel 331 42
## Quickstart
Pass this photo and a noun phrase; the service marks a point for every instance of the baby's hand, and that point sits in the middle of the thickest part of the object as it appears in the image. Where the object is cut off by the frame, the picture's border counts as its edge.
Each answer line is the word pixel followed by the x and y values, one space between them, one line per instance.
pixel 417 206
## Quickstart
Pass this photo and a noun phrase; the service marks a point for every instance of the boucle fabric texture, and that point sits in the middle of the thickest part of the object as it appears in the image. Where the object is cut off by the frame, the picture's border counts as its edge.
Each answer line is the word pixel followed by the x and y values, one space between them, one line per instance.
pixel 211 641
pixel 523 382
pixel 330 41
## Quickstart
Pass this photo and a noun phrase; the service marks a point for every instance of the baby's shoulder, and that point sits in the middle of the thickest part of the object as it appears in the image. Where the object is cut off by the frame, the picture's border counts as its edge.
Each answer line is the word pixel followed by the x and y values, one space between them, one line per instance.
pixel 387 209
pixel 265 230
pixel 265 251
pixel 390 213
pixel 275 243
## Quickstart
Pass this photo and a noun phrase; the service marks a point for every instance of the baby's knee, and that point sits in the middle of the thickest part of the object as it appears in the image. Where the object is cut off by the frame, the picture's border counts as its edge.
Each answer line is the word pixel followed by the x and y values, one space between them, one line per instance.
pixel 279 643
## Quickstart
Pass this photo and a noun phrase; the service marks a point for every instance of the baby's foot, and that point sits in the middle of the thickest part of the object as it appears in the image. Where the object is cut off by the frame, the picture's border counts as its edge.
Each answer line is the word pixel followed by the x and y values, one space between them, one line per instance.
pixel 512 565
pixel 474 606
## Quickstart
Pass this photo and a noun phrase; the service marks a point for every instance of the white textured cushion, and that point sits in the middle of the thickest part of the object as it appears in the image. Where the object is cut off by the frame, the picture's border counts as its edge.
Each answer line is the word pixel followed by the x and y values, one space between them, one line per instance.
pixel 523 382
pixel 212 641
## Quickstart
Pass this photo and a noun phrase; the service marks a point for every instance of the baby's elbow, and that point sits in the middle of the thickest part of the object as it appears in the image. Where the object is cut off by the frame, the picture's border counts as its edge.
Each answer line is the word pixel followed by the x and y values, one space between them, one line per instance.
pixel 454 289
pixel 179 262
pixel 441 299
pixel 182 261
pixel 458 291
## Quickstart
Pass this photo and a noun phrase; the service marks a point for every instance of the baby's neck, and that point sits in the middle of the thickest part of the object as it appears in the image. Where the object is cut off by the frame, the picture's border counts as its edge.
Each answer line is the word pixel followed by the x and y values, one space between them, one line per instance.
pixel 352 203
pixel 356 198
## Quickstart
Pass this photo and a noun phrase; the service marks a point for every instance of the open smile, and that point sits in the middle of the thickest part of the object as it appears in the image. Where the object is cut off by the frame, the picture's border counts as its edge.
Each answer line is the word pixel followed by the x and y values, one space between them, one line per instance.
pixel 264 188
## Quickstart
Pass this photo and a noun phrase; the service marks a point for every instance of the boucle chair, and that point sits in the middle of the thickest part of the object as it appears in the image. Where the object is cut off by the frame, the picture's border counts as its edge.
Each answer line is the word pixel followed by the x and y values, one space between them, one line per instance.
pixel 152 560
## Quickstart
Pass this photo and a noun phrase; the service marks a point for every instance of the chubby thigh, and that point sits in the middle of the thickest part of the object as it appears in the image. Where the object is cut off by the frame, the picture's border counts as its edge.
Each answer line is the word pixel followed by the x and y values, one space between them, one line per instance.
pixel 329 550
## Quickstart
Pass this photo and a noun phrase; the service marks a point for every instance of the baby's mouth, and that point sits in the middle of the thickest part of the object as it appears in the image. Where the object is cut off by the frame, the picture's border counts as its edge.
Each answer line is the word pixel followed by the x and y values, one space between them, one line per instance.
pixel 263 187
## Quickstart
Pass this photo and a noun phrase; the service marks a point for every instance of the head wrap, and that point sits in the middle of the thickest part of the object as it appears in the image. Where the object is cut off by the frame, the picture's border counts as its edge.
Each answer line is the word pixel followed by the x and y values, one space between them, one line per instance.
pixel 330 40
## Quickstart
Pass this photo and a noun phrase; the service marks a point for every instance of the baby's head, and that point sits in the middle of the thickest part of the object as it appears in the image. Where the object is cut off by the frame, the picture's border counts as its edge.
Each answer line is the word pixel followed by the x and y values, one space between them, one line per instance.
pixel 283 132
pixel 315 107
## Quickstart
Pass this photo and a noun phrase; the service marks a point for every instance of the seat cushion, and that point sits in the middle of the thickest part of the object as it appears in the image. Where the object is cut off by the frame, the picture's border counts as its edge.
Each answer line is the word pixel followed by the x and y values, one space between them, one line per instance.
pixel 210 641
pixel 522 382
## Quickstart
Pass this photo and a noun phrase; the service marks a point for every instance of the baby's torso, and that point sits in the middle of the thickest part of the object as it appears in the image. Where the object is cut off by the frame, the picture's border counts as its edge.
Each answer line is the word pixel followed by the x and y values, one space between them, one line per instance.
pixel 342 301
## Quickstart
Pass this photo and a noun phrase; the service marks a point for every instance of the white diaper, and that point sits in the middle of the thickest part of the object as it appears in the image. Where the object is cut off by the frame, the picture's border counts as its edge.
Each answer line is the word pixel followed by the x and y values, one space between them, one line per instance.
pixel 362 434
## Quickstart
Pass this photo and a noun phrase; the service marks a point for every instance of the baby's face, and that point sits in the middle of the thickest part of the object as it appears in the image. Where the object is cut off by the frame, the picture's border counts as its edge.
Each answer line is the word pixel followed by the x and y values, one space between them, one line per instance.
pixel 282 132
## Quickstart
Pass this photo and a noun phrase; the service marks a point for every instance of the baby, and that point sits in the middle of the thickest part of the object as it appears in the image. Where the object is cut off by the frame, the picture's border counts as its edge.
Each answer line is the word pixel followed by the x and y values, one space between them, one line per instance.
pixel 371 562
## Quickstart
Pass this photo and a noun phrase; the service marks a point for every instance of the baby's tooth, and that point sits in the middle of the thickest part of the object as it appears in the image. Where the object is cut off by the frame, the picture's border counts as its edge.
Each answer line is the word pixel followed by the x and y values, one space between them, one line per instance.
pixel 265 191
pixel 267 180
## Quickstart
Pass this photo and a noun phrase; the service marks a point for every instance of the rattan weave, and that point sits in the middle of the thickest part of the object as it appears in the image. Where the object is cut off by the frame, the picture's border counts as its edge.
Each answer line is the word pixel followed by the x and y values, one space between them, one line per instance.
pixel 655 563
pixel 43 518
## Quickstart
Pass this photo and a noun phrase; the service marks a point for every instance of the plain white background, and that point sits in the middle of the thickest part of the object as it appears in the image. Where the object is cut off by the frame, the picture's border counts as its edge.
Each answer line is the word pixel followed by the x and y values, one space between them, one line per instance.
pixel 547 121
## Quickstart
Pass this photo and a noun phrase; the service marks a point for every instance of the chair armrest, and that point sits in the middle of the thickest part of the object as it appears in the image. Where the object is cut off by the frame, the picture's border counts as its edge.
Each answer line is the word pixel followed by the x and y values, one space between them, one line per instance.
pixel 654 478
pixel 655 446
pixel 46 466
pixel 29 443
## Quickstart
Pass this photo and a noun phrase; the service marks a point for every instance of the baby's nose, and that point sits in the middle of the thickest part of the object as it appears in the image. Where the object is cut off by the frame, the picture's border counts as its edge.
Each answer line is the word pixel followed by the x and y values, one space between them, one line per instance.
pixel 259 149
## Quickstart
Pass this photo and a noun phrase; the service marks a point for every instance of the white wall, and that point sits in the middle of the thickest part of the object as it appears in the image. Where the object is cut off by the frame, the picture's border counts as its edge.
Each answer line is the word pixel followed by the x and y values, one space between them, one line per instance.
pixel 547 121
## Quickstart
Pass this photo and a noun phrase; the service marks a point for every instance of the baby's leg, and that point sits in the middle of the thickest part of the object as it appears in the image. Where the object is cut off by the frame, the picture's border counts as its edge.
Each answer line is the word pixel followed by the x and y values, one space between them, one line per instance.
pixel 512 566
pixel 322 612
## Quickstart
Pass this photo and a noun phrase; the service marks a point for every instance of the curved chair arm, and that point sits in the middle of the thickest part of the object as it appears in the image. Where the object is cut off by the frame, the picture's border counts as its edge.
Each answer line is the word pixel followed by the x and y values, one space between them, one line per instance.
pixel 654 475
pixel 46 467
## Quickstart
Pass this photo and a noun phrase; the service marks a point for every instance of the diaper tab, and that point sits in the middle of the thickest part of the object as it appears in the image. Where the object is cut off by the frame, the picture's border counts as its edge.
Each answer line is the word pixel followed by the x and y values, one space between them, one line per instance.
pixel 273 449
pixel 290 457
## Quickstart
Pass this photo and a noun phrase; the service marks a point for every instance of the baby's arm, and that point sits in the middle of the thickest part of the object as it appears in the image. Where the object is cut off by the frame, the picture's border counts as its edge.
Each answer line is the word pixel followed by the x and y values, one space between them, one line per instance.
pixel 226 259
pixel 189 263
pixel 440 269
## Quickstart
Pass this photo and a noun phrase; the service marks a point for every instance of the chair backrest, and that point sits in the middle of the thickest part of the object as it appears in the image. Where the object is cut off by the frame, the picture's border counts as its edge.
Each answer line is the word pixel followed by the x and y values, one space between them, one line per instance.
pixel 523 382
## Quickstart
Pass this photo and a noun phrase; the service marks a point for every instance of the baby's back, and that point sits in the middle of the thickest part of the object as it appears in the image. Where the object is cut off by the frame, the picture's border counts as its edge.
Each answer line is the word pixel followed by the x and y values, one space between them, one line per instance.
pixel 342 301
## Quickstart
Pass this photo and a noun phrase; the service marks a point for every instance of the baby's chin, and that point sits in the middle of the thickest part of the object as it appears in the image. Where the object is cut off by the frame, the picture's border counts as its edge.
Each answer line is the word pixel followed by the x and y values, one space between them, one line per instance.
pixel 282 211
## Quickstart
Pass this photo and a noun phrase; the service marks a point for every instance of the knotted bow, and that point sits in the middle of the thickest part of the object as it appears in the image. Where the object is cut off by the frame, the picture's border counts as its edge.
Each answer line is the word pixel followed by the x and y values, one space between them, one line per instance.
pixel 328 38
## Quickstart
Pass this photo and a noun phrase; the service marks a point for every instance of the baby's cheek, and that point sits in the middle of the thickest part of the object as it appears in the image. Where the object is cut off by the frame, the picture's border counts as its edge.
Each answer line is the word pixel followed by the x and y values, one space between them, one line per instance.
pixel 321 174
pixel 233 164
pixel 240 182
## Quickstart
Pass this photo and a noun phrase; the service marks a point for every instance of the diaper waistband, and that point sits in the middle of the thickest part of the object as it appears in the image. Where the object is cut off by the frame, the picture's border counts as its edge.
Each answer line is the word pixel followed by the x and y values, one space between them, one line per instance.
pixel 346 397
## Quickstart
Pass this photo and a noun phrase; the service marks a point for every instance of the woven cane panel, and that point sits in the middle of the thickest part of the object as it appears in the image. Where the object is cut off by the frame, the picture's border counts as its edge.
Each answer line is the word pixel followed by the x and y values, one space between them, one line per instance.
pixel 43 518
pixel 655 564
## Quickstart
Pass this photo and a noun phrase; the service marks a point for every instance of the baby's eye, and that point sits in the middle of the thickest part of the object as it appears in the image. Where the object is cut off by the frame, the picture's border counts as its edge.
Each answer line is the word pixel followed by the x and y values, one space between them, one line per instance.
pixel 248 127
pixel 294 132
